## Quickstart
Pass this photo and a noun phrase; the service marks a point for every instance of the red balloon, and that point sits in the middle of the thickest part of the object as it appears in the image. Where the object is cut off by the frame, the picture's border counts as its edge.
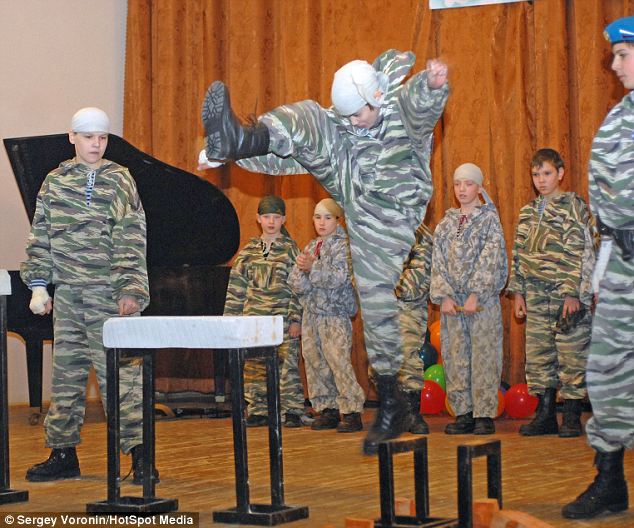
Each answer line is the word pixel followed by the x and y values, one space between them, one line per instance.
pixel 432 398
pixel 518 403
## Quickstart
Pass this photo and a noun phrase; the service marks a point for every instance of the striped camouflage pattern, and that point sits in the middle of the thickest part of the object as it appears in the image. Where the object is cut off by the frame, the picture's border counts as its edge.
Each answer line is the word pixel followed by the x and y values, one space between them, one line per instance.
pixel 412 292
pixel 328 300
pixel 474 262
pixel 380 177
pixel 103 243
pixel 258 285
pixel 610 372
pixel 79 315
pixel 556 250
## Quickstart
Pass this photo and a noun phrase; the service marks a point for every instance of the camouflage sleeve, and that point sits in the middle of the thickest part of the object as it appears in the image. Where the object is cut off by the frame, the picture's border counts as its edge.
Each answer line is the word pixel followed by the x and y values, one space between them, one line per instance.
pixel 294 307
pixel 573 238
pixel 490 268
pixel 332 271
pixel 129 242
pixel 298 280
pixel 414 282
pixel 37 269
pixel 421 106
pixel 440 285
pixel 517 281
pixel 237 287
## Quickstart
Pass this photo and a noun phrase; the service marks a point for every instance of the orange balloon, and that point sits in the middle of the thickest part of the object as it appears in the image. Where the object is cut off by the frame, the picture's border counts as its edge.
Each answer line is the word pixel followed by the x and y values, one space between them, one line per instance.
pixel 434 336
pixel 448 408
pixel 500 403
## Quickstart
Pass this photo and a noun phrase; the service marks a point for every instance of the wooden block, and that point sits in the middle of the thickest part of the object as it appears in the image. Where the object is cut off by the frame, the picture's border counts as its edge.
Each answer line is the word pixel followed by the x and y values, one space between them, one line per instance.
pixel 483 510
pixel 354 522
pixel 516 519
pixel 404 507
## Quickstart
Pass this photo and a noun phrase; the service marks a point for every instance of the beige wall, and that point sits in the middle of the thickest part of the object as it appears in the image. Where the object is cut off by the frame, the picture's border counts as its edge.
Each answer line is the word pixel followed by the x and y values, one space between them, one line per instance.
pixel 56 57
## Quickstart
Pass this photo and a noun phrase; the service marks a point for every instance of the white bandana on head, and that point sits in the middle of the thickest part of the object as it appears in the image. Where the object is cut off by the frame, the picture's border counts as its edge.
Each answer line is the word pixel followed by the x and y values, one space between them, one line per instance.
pixel 355 85
pixel 90 119
pixel 469 171
pixel 328 206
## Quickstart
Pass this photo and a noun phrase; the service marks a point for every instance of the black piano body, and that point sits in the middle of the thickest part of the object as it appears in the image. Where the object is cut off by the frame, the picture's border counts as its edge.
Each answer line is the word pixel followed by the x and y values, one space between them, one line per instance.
pixel 192 230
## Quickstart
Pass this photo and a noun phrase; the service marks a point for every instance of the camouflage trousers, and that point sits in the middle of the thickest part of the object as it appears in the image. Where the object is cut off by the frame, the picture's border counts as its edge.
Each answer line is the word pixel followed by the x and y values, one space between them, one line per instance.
pixel 326 347
pixel 472 358
pixel 78 317
pixel 413 328
pixel 610 374
pixel 553 357
pixel 291 388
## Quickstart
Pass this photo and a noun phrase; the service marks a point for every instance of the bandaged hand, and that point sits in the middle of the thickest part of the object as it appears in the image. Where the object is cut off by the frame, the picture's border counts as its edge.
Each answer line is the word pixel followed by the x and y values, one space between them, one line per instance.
pixel 41 303
pixel 128 305
pixel 204 163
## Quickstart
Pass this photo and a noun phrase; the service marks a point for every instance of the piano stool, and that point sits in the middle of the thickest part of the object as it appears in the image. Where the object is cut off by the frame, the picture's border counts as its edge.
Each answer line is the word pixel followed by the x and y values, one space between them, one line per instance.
pixel 7 495
pixel 244 337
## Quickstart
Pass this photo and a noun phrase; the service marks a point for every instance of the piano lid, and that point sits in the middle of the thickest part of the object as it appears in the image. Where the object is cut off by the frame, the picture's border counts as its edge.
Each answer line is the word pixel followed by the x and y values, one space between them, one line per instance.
pixel 189 220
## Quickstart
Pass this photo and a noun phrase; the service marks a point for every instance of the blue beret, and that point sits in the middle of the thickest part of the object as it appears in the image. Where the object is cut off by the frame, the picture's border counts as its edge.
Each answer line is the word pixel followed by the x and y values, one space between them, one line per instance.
pixel 621 30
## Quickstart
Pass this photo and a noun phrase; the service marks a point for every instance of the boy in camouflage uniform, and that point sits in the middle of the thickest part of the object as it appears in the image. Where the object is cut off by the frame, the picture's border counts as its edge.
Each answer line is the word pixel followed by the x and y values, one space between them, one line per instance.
pixel 258 285
pixel 610 372
pixel 87 238
pixel 469 270
pixel 548 286
pixel 412 292
pixel 371 153
pixel 322 279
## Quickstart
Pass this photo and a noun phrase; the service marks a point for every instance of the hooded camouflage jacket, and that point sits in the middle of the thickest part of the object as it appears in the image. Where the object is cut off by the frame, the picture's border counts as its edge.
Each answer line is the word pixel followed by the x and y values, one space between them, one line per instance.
pixel 83 238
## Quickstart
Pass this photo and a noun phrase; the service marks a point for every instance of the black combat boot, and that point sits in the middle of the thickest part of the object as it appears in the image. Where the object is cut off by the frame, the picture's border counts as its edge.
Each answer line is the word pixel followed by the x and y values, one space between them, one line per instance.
pixel 464 424
pixel 328 419
pixel 61 464
pixel 137 466
pixel 392 418
pixel 608 492
pixel 227 139
pixel 484 426
pixel 292 421
pixel 351 423
pixel 571 422
pixel 417 424
pixel 545 420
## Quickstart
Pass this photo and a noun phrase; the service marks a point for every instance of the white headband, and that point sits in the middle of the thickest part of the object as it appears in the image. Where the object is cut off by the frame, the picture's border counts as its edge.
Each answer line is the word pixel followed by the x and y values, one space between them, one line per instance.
pixel 469 171
pixel 90 119
pixel 355 84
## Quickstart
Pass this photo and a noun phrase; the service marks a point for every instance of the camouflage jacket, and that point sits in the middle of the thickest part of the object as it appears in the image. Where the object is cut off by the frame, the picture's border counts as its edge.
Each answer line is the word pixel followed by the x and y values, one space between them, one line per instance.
pixel 554 249
pixel 258 283
pixel 327 289
pixel 102 243
pixel 414 282
pixel 471 261
pixel 611 185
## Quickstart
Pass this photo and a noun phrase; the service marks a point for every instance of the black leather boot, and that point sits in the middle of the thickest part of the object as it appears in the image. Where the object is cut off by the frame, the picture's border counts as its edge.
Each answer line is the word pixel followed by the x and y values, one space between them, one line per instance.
pixel 392 418
pixel 137 466
pixel 608 491
pixel 417 424
pixel 61 464
pixel 571 422
pixel 464 424
pixel 351 423
pixel 328 419
pixel 227 139
pixel 545 420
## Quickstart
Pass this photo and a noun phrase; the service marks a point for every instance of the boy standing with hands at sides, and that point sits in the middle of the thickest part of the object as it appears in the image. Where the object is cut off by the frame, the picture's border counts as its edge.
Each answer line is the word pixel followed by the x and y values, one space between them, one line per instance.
pixel 610 372
pixel 469 270
pixel 412 292
pixel 552 250
pixel 323 280
pixel 87 238
pixel 258 285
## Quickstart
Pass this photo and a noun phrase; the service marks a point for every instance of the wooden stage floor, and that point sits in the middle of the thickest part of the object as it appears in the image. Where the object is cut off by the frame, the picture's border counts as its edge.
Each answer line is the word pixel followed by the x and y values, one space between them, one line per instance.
pixel 323 470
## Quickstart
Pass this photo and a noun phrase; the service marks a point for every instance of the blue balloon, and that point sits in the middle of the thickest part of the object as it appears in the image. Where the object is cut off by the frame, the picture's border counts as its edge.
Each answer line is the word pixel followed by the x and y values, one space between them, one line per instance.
pixel 428 354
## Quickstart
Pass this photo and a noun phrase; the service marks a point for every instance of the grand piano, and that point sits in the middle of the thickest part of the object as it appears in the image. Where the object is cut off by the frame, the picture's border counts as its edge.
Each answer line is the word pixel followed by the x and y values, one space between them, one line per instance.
pixel 192 230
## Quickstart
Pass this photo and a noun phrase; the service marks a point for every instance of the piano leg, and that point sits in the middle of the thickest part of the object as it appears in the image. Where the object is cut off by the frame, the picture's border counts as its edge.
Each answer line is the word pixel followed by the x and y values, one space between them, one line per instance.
pixel 34 365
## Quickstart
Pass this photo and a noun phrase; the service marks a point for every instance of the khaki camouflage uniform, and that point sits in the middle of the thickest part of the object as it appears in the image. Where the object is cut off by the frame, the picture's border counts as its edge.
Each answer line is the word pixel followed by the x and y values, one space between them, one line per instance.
pixel 412 292
pixel 94 253
pixel 328 300
pixel 258 285
pixel 380 177
pixel 465 261
pixel 610 373
pixel 550 262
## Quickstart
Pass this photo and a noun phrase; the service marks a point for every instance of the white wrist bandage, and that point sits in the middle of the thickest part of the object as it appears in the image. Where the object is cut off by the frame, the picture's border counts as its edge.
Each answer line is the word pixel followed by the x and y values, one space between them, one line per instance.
pixel 38 300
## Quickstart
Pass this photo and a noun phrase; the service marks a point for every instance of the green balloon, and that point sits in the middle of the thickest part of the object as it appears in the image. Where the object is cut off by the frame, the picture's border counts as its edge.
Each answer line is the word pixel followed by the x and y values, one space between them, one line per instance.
pixel 436 373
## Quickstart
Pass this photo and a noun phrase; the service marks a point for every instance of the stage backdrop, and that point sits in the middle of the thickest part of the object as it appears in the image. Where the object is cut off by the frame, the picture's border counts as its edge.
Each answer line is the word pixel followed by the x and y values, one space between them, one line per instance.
pixel 523 75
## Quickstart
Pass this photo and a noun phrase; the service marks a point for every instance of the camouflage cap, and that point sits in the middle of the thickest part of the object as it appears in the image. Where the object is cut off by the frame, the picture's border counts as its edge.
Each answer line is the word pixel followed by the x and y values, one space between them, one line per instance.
pixel 621 30
pixel 272 205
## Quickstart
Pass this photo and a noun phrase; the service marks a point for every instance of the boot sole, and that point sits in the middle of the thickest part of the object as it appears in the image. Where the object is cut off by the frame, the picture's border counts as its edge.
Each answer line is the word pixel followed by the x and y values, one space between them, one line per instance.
pixel 213 105
pixel 52 478
pixel 613 508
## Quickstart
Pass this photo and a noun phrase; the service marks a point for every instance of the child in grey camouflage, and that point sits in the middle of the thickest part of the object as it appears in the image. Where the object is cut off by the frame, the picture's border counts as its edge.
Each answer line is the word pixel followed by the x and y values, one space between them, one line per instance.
pixel 469 270
pixel 88 239
pixel 258 285
pixel 552 249
pixel 323 280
